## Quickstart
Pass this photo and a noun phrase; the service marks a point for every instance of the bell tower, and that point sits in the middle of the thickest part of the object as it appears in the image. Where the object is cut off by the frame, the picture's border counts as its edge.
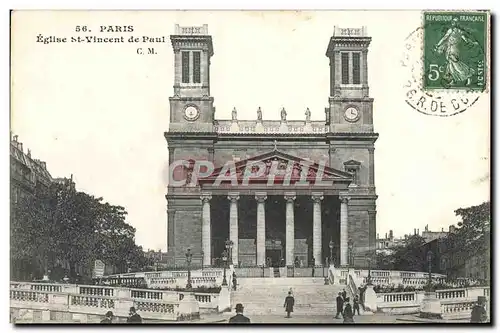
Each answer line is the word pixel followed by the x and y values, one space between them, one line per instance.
pixel 350 108
pixel 191 107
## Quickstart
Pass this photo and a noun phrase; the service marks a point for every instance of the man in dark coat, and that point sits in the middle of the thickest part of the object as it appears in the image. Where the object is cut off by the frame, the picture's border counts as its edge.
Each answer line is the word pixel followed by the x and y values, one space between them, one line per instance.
pixel 479 314
pixel 340 305
pixel 289 303
pixel 348 315
pixel 134 317
pixel 239 318
pixel 108 318
pixel 344 294
pixel 355 303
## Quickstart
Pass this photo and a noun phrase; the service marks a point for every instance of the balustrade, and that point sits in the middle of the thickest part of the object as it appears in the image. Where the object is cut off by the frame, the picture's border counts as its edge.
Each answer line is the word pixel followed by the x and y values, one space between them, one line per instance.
pixel 399 297
pixel 157 307
pixel 146 294
pixel 98 291
pixel 457 309
pixel 451 293
pixel 31 296
pixel 46 287
pixel 92 301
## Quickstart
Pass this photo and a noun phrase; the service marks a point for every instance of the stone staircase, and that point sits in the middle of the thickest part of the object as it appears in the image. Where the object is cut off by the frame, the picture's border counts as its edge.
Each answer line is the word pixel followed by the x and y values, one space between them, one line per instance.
pixel 264 296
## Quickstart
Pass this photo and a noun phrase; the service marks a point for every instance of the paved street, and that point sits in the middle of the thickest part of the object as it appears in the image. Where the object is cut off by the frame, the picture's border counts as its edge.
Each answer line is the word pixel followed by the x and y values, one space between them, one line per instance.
pixel 378 318
pixel 320 319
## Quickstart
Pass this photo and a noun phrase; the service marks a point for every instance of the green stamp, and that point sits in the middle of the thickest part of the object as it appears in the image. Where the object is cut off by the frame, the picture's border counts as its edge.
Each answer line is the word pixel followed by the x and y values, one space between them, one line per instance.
pixel 454 50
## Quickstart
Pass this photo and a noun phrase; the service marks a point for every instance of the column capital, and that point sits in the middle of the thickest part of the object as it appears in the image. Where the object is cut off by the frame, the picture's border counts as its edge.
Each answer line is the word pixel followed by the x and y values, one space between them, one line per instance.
pixel 290 196
pixel 206 197
pixel 371 150
pixel 344 198
pixel 260 196
pixel 317 196
pixel 233 196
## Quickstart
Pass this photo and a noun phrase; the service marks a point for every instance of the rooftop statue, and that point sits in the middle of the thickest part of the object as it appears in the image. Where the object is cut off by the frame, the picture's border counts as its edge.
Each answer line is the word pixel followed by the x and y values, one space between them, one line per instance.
pixel 259 114
pixel 234 114
pixel 283 114
pixel 308 115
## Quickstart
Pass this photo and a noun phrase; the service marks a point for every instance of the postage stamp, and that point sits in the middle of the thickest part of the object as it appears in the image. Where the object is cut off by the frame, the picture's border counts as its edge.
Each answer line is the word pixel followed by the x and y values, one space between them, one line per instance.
pixel 454 50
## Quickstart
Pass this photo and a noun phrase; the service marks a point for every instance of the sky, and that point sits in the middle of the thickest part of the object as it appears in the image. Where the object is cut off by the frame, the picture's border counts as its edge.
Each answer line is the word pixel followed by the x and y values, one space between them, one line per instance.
pixel 99 111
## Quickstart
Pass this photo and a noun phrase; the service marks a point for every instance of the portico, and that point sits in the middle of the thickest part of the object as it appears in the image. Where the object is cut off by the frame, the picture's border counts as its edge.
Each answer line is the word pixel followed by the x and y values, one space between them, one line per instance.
pixel 261 220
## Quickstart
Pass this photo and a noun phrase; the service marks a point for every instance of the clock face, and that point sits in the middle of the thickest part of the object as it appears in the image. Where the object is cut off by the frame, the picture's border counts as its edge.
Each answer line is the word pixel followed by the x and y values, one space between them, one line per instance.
pixel 191 113
pixel 351 114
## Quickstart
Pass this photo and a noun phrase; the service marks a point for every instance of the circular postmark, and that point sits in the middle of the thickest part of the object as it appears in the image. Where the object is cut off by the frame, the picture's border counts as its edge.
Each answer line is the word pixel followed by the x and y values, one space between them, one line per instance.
pixel 443 102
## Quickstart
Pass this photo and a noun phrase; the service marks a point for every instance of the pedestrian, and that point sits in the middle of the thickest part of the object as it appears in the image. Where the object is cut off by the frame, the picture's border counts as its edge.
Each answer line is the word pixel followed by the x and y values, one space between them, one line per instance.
pixel 108 318
pixel 289 303
pixel 478 314
pixel 313 264
pixel 234 281
pixel 239 318
pixel 297 262
pixel 340 305
pixel 134 317
pixel 348 315
pixel 355 303
pixel 344 295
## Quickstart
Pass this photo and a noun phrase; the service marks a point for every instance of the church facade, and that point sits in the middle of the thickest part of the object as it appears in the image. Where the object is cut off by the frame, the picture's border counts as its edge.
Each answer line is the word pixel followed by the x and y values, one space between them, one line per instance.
pixel 314 196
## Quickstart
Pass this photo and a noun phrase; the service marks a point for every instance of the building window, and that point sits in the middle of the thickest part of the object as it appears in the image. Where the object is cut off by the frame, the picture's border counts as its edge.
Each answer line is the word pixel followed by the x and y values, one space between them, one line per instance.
pixel 185 67
pixel 356 75
pixel 196 67
pixel 345 68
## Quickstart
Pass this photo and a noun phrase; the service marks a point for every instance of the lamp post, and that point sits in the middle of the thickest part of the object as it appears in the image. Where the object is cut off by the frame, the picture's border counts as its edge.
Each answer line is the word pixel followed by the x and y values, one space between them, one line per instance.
pixel 350 245
pixel 369 280
pixel 202 256
pixel 189 255
pixel 224 260
pixel 429 263
pixel 331 245
pixel 229 248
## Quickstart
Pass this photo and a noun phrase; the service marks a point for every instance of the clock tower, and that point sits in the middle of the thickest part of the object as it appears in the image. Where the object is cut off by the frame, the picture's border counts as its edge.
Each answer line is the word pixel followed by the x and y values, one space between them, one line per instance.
pixel 350 108
pixel 351 136
pixel 191 107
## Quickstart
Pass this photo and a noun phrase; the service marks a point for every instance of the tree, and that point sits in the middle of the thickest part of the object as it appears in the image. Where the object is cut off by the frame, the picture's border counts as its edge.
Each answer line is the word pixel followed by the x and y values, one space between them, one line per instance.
pixel 62 224
pixel 410 256
pixel 471 237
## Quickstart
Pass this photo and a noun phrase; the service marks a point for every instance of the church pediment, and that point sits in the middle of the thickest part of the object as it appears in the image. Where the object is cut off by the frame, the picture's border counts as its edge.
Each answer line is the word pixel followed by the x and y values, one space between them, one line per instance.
pixel 276 167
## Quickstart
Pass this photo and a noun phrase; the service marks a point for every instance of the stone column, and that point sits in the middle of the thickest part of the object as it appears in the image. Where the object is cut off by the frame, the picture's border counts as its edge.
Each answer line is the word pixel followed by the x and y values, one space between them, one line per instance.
pixel 350 67
pixel 364 67
pixel 343 230
pixel 364 72
pixel 178 66
pixel 233 225
pixel 371 161
pixel 317 197
pixel 290 228
pixel 206 238
pixel 261 227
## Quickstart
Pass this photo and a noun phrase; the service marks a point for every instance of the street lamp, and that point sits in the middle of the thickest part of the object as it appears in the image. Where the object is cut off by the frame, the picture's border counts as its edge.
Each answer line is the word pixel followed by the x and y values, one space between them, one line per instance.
pixel 229 248
pixel 331 245
pixel 202 257
pixel 224 260
pixel 369 280
pixel 189 255
pixel 429 263
pixel 350 245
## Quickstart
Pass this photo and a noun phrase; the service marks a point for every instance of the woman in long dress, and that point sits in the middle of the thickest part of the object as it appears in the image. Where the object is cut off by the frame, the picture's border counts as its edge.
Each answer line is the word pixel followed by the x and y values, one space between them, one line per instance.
pixel 456 70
